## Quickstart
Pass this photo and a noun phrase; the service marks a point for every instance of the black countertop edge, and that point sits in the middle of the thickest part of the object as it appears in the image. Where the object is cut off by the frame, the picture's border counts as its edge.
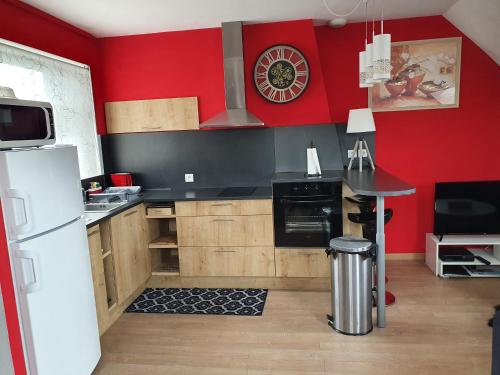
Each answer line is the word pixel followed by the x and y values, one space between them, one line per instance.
pixel 203 194
pixel 290 177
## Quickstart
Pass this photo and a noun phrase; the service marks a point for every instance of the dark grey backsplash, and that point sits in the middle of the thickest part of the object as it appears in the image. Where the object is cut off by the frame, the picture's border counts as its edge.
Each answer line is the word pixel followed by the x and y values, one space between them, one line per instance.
pixel 238 157
pixel 291 143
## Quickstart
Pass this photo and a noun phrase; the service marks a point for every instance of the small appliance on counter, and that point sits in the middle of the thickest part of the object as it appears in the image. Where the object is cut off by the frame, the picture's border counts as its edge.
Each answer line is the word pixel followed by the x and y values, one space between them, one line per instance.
pixel 121 179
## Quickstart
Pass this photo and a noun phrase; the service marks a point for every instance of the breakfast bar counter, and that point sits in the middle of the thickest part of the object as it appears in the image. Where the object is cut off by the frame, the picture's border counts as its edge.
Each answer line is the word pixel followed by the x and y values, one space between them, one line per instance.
pixel 380 184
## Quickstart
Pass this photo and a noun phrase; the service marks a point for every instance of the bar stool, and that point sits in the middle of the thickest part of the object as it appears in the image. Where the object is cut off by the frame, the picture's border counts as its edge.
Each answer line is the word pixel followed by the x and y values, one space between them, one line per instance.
pixel 367 218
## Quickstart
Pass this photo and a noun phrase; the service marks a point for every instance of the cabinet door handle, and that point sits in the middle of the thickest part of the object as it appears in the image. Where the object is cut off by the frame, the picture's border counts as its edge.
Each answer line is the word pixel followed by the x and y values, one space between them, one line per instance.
pixel 215 220
pixel 225 251
pixel 309 254
pixel 130 213
pixel 222 204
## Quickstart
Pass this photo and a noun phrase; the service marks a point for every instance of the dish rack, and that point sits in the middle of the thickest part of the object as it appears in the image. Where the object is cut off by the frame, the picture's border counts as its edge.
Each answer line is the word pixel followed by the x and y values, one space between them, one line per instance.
pixel 123 193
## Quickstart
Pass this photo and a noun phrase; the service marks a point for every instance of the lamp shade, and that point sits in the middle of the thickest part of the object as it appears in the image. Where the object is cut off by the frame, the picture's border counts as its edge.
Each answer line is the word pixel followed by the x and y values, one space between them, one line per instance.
pixel 369 63
pixel 362 70
pixel 360 121
pixel 382 57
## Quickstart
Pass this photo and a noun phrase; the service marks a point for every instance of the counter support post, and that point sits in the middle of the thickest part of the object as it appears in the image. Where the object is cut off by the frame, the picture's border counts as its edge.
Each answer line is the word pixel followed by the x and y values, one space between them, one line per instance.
pixel 380 263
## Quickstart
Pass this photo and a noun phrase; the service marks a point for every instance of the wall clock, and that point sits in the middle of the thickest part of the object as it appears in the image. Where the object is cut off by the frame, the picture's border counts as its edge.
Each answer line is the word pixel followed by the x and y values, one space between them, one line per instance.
pixel 281 74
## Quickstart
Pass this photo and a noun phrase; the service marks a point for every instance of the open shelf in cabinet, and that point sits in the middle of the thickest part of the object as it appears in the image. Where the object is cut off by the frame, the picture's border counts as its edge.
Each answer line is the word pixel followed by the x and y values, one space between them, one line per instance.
pixel 168 241
pixel 163 243
pixel 165 262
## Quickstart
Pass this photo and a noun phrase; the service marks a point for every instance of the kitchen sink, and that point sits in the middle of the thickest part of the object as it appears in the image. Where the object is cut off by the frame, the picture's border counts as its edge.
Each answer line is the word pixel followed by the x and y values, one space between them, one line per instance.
pixel 102 207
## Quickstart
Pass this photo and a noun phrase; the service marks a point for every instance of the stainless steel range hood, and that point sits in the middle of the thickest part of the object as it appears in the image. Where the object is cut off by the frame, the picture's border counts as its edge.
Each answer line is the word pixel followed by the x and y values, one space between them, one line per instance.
pixel 236 114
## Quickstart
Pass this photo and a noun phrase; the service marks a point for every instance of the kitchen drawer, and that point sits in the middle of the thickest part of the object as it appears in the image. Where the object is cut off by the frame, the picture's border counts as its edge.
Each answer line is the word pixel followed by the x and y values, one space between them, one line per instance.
pixel 301 262
pixel 256 230
pixel 225 207
pixel 160 211
pixel 227 261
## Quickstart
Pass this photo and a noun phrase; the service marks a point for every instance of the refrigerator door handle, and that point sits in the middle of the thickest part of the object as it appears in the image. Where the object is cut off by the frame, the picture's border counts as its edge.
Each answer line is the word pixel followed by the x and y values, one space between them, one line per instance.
pixel 35 285
pixel 23 196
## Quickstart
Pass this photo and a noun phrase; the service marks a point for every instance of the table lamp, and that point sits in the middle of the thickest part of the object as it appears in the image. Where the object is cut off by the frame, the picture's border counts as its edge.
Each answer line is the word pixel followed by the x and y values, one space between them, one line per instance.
pixel 360 121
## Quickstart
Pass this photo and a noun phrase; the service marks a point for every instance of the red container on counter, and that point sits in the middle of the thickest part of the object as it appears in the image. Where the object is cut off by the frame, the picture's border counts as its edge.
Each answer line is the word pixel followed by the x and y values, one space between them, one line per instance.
pixel 121 179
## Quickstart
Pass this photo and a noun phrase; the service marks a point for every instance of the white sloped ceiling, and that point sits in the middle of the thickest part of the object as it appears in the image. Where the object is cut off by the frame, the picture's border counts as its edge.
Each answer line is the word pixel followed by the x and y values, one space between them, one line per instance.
pixel 480 21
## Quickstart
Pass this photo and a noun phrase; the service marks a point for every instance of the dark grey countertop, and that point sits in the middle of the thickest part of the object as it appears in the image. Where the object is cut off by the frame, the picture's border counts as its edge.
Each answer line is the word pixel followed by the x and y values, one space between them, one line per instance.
pixel 378 183
pixel 368 182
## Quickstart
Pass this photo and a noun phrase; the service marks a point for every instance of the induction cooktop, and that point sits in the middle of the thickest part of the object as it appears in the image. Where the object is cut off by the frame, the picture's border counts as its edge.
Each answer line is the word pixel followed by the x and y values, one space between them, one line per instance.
pixel 237 191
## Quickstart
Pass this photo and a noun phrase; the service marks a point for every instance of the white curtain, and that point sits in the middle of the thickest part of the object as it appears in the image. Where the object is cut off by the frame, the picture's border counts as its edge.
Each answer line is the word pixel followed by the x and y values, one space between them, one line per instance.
pixel 68 88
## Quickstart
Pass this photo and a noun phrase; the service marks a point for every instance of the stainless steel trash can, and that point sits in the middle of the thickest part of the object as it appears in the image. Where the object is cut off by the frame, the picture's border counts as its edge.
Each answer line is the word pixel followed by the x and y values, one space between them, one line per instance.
pixel 351 262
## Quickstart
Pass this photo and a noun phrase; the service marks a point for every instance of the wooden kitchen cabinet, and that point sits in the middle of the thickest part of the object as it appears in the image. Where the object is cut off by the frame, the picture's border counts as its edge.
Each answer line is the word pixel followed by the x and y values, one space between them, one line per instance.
pixel 225 207
pixel 301 262
pixel 132 259
pixel 98 276
pixel 255 230
pixel 225 238
pixel 152 115
pixel 227 261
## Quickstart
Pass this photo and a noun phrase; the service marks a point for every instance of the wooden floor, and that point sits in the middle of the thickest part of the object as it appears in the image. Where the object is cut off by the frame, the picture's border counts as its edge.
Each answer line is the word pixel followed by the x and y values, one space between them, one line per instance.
pixel 436 327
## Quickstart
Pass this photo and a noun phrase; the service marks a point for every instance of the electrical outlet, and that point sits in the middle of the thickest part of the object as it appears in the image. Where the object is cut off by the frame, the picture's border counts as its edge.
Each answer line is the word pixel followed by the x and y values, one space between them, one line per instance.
pixel 189 177
pixel 364 154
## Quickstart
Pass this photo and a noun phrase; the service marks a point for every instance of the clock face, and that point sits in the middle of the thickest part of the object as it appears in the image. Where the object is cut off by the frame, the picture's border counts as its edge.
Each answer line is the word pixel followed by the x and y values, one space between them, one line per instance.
pixel 281 74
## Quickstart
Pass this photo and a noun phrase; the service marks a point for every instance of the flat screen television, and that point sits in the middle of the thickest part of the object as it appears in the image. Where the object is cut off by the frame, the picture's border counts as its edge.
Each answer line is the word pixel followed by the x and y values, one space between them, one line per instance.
pixel 467 208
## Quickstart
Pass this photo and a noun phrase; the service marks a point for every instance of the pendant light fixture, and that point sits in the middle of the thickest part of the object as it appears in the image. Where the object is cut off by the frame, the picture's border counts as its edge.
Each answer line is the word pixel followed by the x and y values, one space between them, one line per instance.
pixel 375 60
pixel 369 56
pixel 365 76
pixel 382 53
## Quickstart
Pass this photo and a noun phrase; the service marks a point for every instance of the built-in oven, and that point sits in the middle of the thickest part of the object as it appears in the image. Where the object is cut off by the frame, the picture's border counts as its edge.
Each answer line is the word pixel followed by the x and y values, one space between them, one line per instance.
pixel 307 214
pixel 25 123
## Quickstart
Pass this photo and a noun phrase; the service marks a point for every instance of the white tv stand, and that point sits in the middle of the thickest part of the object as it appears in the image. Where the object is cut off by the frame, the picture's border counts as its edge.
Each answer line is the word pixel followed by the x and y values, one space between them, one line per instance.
pixel 432 245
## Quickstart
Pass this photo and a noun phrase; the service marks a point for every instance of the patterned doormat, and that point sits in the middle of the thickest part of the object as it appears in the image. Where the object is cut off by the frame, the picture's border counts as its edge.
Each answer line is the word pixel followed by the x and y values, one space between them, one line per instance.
pixel 248 302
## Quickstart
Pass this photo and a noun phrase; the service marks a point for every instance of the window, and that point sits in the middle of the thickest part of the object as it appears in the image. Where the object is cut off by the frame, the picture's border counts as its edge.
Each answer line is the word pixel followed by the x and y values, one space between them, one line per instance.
pixel 35 75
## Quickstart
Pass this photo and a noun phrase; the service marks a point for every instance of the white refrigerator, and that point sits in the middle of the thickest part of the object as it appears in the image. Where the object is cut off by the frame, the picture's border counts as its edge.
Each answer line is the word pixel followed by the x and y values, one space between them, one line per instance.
pixel 40 191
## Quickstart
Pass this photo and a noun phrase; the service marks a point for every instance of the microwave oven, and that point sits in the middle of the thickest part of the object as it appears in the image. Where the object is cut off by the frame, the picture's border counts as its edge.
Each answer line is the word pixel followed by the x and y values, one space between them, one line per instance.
pixel 26 123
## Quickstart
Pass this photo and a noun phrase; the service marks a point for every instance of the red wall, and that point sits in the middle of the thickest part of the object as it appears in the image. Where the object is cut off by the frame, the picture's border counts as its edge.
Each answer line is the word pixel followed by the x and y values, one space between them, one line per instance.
pixel 408 143
pixel 163 65
pixel 421 147
pixel 312 106
pixel 424 146
pixel 189 63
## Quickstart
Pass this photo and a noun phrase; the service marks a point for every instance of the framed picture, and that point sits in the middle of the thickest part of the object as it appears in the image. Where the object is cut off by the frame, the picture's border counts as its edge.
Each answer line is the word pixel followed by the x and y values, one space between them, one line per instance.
pixel 425 74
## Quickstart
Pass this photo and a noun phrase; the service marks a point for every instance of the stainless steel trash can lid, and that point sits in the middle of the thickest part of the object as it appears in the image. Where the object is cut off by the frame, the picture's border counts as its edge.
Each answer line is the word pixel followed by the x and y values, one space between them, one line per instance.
pixel 350 244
